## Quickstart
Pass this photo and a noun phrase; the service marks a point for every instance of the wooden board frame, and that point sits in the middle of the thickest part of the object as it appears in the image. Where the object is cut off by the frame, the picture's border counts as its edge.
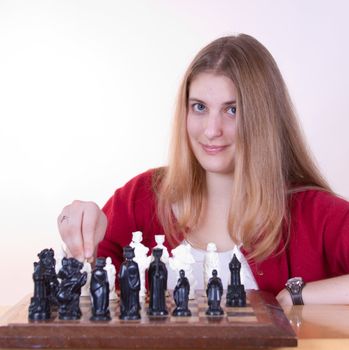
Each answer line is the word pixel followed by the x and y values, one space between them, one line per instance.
pixel 261 324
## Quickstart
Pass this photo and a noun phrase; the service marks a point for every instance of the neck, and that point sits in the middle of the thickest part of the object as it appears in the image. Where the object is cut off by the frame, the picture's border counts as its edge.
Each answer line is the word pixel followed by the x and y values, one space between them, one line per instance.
pixel 219 186
pixel 219 193
pixel 212 225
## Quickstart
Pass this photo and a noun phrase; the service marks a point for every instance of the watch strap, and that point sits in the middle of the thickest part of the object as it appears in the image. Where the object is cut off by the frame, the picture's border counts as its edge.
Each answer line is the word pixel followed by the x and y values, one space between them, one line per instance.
pixel 297 298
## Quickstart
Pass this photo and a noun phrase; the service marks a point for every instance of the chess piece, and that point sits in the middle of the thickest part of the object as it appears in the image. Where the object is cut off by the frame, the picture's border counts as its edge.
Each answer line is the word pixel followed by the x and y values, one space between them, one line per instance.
pixel 214 294
pixel 182 260
pixel 100 292
pixel 47 259
pixel 60 253
pixel 211 262
pixel 236 295
pixel 70 289
pixel 111 272
pixel 129 287
pixel 181 296
pixel 141 258
pixel 160 239
pixel 39 308
pixel 85 290
pixel 157 278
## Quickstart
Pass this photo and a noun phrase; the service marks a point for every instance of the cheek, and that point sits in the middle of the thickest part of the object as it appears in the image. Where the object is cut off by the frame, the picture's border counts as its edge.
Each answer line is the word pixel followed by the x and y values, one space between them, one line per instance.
pixel 193 127
pixel 230 130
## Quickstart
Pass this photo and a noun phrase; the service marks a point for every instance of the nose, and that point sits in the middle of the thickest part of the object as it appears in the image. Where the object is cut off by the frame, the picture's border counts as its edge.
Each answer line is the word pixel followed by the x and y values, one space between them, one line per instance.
pixel 213 126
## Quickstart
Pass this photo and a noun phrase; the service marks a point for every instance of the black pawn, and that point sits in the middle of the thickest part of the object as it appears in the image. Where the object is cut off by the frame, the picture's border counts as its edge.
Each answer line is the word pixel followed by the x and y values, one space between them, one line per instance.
pixel 99 290
pixel 39 308
pixel 157 281
pixel 181 296
pixel 130 286
pixel 214 294
pixel 236 295
pixel 69 292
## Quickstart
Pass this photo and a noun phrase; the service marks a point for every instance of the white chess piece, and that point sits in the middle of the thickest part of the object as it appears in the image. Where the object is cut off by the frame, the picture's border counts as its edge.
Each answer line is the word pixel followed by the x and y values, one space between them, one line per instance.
pixel 60 253
pixel 140 258
pixel 111 272
pixel 211 262
pixel 160 239
pixel 85 290
pixel 183 260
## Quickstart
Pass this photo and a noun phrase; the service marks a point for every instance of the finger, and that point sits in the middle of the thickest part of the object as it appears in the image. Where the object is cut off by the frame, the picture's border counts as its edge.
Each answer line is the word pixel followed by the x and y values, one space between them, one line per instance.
pixel 90 260
pixel 69 225
pixel 101 227
pixel 65 250
pixel 89 223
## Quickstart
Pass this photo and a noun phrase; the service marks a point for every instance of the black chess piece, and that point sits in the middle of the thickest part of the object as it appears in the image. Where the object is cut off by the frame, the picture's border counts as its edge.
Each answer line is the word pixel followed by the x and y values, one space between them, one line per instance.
pixel 47 259
pixel 236 295
pixel 214 294
pixel 99 290
pixel 181 296
pixel 68 295
pixel 157 281
pixel 130 286
pixel 39 308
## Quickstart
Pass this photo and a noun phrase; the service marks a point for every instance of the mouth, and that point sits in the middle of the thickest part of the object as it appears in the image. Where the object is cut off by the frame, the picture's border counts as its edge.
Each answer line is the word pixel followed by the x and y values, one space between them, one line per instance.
pixel 213 149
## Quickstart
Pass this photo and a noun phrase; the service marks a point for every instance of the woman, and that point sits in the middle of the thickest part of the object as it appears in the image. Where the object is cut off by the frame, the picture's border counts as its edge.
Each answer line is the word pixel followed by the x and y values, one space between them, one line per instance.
pixel 240 176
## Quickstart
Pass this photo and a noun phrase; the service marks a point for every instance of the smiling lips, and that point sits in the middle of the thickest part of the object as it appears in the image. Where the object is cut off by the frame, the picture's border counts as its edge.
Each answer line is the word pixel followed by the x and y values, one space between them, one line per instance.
pixel 212 149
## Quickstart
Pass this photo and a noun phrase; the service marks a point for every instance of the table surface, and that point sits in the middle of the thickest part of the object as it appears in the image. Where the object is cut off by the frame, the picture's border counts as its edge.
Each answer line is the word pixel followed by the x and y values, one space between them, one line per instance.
pixel 317 326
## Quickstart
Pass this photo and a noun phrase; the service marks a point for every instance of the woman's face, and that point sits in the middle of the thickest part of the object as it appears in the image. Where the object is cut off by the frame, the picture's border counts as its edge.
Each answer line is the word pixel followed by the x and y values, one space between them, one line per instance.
pixel 211 121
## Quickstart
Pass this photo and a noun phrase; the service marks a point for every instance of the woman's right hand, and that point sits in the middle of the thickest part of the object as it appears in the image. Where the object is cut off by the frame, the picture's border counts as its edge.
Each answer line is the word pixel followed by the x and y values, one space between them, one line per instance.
pixel 82 226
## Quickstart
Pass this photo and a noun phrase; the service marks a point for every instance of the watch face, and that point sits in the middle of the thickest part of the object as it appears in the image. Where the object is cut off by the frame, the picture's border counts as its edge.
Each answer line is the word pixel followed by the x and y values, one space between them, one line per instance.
pixel 295 284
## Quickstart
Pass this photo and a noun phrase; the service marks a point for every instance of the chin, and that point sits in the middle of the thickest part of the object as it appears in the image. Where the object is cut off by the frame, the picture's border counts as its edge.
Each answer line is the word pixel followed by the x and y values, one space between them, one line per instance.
pixel 222 170
pixel 218 164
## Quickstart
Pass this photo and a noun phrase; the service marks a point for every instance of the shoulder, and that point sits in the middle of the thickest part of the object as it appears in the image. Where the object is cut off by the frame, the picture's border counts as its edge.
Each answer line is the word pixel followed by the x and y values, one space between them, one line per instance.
pixel 318 235
pixel 133 207
pixel 141 185
pixel 319 213
pixel 318 201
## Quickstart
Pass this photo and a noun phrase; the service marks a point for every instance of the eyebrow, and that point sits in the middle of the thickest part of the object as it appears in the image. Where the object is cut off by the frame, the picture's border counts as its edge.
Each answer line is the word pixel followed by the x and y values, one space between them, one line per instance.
pixel 194 99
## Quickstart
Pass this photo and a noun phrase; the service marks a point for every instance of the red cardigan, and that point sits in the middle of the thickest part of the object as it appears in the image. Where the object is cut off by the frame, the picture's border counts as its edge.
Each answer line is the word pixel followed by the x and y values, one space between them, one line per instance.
pixel 319 239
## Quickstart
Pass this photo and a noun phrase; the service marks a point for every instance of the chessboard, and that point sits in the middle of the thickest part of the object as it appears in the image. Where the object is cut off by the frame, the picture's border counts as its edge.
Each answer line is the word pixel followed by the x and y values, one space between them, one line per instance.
pixel 262 323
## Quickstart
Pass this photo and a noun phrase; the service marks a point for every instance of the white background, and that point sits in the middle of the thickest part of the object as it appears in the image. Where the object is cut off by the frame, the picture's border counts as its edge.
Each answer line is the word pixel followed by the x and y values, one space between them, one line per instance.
pixel 87 92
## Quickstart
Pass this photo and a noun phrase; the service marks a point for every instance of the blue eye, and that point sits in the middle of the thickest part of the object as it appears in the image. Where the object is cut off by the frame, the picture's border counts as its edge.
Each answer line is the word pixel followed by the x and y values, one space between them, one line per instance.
pixel 198 107
pixel 231 110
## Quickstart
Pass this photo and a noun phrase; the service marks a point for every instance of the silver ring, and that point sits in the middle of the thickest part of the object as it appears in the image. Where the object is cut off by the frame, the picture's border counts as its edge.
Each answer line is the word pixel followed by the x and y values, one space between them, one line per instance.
pixel 64 217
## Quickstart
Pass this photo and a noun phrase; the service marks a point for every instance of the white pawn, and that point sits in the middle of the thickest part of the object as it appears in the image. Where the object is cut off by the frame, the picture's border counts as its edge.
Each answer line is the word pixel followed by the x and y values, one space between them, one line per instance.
pixel 183 260
pixel 160 239
pixel 211 262
pixel 60 253
pixel 85 290
pixel 140 258
pixel 111 272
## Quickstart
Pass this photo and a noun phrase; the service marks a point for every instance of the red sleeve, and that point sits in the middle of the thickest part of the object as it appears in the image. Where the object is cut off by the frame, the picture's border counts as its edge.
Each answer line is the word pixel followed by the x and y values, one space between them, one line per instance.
pixel 319 243
pixel 336 236
pixel 131 208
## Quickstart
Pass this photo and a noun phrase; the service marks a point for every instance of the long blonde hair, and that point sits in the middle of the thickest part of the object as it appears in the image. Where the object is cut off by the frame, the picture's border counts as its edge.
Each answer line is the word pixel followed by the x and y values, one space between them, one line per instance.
pixel 271 157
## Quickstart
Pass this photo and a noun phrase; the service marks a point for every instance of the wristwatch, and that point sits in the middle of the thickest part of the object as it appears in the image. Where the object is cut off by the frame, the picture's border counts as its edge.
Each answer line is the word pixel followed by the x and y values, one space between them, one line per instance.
pixel 294 286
